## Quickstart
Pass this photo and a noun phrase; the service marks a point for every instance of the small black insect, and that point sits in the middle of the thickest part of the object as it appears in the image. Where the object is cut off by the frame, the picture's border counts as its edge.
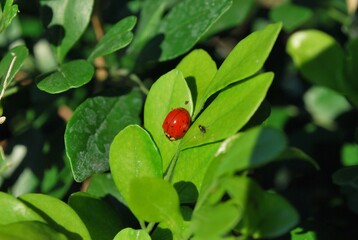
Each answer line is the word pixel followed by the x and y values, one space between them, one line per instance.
pixel 202 129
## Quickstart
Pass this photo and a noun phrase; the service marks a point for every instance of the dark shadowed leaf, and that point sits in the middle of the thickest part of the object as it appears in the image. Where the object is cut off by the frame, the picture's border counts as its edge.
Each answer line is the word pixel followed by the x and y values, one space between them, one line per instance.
pixel 70 19
pixel 73 74
pixel 93 127
pixel 117 37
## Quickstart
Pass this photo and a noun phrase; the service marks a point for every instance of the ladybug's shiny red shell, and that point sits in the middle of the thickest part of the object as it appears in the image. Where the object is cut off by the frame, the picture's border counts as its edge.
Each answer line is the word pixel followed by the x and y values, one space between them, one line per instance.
pixel 176 123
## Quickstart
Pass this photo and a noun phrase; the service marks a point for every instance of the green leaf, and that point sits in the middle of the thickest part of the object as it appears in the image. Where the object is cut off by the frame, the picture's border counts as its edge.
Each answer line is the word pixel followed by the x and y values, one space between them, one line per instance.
pixel 116 38
pixel 349 154
pixel 291 15
pixel 13 210
pixel 325 105
pixel 195 18
pixel 21 53
pixel 312 51
pixel 132 234
pixel 155 200
pixel 243 151
pixel 58 215
pixel 92 212
pixel 73 74
pixel 240 101
pixel 302 234
pixel 198 69
pixel 190 169
pixel 347 176
pixel 266 214
pixel 170 91
pixel 245 59
pixel 352 63
pixel 133 155
pixel 238 12
pixel 102 184
pixel 215 221
pixel 280 115
pixel 92 129
pixel 69 21
pixel 149 21
pixel 7 14
pixel 296 153
pixel 254 148
pixel 29 230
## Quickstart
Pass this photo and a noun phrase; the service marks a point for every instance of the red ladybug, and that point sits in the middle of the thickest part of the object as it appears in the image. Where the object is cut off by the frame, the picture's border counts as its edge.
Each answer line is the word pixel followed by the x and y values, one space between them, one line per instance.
pixel 176 123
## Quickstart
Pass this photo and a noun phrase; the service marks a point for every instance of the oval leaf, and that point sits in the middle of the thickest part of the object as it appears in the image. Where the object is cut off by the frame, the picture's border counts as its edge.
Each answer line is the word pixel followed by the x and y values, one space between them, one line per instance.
pixel 312 51
pixel 58 214
pixel 69 21
pixel 248 57
pixel 132 155
pixel 117 37
pixel 168 92
pixel 215 221
pixel 73 74
pixel 155 200
pixel 92 129
pixel 243 151
pixel 254 148
pixel 198 69
pixel 196 17
pixel 13 210
pixel 240 101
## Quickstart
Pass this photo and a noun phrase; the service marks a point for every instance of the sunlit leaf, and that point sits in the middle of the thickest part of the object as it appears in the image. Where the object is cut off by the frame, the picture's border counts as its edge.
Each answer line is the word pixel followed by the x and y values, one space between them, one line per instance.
pixel 240 101
pixel 312 51
pixel 58 214
pixel 170 91
pixel 155 200
pixel 13 210
pixel 198 69
pixel 133 155
pixel 29 230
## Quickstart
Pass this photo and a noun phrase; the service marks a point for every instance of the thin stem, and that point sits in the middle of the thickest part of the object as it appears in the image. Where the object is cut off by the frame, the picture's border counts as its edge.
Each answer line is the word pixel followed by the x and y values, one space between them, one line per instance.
pixel 136 79
pixel 11 91
pixel 150 227
pixel 170 169
pixel 7 76
pixel 142 224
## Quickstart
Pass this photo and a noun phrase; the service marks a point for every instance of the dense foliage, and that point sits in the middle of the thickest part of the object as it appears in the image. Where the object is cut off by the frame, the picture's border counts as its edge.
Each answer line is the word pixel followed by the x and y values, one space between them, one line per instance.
pixel 270 87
